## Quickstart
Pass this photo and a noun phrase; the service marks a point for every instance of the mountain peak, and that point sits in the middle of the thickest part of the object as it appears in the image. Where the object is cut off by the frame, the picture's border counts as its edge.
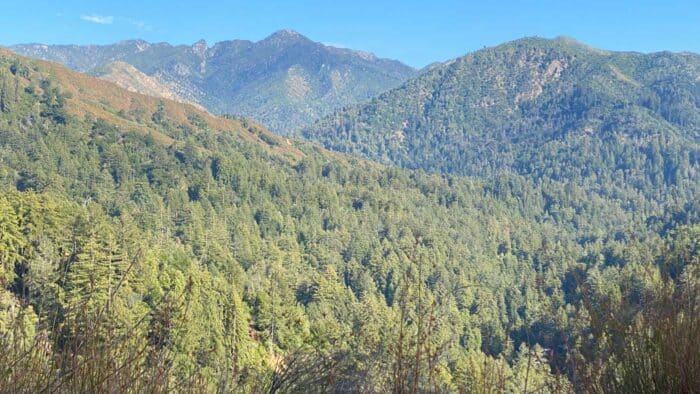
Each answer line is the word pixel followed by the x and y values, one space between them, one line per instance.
pixel 200 47
pixel 285 35
pixel 564 43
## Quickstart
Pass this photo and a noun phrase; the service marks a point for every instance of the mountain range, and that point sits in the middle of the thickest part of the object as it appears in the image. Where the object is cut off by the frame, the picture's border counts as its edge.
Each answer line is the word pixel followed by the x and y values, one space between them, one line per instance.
pixel 284 81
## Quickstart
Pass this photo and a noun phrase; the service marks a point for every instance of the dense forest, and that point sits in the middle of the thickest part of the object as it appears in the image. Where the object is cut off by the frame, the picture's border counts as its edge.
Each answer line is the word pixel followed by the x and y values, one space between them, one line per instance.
pixel 148 246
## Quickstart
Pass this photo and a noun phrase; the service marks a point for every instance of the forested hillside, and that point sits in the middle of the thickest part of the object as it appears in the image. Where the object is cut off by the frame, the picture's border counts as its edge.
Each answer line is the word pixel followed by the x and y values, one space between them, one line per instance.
pixel 148 246
pixel 285 81
pixel 550 110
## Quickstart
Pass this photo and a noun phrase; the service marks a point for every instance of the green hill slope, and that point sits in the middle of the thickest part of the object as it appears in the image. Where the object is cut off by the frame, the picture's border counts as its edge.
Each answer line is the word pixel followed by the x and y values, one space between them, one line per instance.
pixel 545 109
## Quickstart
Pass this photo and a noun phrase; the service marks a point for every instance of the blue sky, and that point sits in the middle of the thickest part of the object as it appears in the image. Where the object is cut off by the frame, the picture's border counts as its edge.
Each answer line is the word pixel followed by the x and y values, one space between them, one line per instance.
pixel 415 32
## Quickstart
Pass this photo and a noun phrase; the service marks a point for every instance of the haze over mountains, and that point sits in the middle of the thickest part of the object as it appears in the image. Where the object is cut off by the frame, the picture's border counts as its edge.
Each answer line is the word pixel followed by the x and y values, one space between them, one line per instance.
pixel 284 81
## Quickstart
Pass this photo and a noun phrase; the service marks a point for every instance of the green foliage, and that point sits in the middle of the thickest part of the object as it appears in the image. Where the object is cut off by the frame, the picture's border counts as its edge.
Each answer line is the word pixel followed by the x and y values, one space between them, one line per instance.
pixel 212 263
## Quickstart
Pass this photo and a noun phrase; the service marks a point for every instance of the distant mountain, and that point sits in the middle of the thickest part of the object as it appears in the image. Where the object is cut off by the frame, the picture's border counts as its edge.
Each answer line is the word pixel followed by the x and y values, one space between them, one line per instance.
pixel 543 108
pixel 284 81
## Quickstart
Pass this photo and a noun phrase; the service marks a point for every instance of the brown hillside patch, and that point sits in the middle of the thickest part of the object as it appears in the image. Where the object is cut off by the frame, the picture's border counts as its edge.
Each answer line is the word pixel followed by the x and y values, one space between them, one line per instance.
pixel 623 77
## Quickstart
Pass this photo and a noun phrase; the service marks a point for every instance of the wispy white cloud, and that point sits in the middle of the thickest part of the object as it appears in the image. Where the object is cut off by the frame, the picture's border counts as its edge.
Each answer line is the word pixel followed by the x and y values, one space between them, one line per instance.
pixel 118 20
pixel 99 19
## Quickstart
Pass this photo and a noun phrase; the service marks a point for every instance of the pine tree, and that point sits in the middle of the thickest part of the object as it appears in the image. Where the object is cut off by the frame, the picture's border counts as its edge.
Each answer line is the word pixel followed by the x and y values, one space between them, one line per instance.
pixel 94 272
pixel 4 95
pixel 16 96
pixel 11 243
